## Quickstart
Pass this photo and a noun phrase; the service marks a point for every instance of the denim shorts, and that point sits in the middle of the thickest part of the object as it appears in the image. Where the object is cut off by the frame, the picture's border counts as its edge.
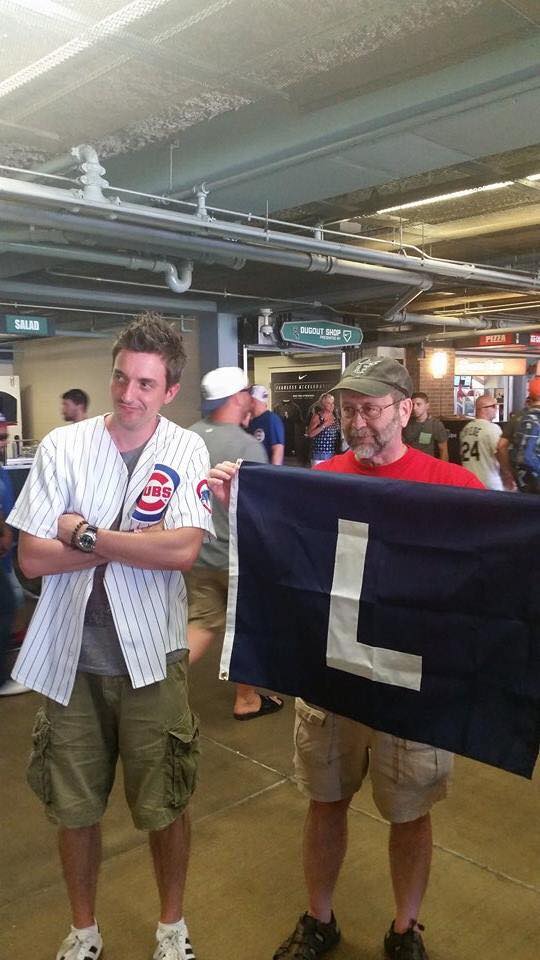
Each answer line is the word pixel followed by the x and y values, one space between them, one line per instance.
pixel 151 729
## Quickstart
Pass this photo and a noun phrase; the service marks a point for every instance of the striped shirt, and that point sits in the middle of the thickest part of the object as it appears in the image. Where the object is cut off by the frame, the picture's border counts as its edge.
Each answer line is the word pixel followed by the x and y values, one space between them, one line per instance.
pixel 78 469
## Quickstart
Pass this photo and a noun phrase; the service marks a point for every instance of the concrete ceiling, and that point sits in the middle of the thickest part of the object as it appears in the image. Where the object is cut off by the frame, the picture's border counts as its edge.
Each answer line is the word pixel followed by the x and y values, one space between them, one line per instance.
pixel 313 110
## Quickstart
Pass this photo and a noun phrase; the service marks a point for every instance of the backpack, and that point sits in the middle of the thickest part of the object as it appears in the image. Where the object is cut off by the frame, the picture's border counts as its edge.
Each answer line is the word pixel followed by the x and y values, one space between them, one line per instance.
pixel 525 453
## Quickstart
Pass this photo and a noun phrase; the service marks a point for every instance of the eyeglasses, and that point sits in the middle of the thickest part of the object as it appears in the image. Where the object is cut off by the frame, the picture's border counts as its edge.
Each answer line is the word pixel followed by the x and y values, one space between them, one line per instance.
pixel 368 411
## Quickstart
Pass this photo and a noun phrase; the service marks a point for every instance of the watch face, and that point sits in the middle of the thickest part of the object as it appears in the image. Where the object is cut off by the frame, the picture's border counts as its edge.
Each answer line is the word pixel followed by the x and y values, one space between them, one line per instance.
pixel 87 541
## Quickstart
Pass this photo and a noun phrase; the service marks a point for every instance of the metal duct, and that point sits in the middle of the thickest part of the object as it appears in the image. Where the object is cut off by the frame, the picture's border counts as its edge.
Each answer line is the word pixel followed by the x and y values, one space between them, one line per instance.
pixel 399 340
pixel 85 255
pixel 174 220
pixel 228 250
pixel 174 282
pixel 29 235
pixel 407 298
pixel 49 294
pixel 428 319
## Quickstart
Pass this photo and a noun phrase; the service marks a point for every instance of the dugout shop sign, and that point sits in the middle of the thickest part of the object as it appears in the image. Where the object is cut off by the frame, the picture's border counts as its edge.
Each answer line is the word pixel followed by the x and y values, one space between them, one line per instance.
pixel 20 325
pixel 321 333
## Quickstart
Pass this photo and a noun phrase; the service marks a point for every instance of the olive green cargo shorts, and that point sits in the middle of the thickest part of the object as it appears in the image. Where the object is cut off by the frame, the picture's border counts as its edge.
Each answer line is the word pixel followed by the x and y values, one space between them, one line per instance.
pixel 151 729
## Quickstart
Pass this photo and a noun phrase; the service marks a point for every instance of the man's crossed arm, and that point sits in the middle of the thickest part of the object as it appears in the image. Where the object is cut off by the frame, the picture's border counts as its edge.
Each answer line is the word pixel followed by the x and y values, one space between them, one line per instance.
pixel 151 548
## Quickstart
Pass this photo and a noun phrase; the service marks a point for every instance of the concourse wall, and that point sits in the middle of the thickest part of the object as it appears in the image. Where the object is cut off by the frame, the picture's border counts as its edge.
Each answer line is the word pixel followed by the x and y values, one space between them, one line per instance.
pixel 48 368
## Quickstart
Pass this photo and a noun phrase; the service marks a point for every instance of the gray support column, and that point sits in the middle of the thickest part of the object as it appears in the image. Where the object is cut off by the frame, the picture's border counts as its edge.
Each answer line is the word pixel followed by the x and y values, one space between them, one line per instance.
pixel 518 394
pixel 218 341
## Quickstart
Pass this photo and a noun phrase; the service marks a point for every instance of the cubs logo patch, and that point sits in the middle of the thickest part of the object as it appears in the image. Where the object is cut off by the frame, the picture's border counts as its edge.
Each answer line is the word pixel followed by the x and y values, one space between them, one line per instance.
pixel 203 493
pixel 156 496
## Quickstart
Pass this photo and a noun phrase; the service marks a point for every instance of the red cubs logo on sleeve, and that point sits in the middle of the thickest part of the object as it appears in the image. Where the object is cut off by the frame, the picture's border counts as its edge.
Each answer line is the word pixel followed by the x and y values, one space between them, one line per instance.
pixel 203 493
pixel 155 498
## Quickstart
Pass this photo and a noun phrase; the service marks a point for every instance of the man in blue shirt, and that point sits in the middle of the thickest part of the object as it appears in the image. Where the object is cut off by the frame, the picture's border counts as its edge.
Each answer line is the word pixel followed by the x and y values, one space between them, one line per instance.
pixel 10 590
pixel 266 426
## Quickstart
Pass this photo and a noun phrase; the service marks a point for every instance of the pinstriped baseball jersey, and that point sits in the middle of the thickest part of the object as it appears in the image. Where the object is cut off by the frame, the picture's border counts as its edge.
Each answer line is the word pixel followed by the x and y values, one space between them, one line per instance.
pixel 78 469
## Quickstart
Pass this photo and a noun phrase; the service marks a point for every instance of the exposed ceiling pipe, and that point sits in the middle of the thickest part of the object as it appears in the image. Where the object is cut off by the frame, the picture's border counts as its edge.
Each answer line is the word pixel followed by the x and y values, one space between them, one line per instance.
pixel 502 308
pixel 69 309
pixel 85 255
pixel 436 301
pixel 83 334
pixel 176 283
pixel 92 173
pixel 428 319
pixel 29 235
pixel 407 298
pixel 49 294
pixel 228 249
pixel 55 165
pixel 408 320
pixel 175 220
pixel 235 301
pixel 50 234
pixel 467 323
pixel 86 334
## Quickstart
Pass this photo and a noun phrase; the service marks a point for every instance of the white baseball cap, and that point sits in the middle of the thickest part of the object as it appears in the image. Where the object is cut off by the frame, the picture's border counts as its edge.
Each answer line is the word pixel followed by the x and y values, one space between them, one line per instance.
pixel 220 384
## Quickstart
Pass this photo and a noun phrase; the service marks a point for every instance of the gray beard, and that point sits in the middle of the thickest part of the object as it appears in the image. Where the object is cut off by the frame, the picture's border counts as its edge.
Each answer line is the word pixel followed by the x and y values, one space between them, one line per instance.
pixel 365 451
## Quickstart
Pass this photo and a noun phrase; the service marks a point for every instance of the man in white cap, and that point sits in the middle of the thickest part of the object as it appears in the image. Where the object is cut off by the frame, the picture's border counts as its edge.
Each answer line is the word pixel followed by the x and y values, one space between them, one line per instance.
pixel 226 399
pixel 266 426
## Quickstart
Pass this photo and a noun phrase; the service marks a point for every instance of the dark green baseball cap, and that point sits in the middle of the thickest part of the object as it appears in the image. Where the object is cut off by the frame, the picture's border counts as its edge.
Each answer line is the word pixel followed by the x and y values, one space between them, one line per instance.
pixel 375 377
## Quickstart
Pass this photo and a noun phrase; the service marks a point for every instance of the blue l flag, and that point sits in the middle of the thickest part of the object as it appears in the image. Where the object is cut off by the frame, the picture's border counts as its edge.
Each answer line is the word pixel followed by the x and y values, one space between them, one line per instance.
pixel 410 607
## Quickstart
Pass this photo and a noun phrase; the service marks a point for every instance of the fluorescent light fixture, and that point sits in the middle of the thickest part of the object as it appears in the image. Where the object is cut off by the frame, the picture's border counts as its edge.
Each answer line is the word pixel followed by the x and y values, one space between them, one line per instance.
pixel 108 27
pixel 442 197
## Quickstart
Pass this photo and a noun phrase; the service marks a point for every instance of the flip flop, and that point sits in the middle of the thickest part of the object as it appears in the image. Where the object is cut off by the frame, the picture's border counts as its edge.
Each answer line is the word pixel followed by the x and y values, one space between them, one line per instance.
pixel 268 705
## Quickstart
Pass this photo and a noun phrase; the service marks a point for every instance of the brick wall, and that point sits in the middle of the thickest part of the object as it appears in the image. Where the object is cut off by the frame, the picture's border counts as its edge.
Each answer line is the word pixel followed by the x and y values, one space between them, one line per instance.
pixel 440 392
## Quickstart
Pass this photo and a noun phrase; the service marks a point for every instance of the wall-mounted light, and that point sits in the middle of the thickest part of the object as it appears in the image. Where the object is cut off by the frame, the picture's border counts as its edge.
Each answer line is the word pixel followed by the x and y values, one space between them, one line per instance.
pixel 266 326
pixel 438 364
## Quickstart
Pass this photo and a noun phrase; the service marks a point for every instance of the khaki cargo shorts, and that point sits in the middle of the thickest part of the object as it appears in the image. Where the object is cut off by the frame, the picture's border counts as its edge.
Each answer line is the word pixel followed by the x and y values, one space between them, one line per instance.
pixel 207 597
pixel 333 755
pixel 151 729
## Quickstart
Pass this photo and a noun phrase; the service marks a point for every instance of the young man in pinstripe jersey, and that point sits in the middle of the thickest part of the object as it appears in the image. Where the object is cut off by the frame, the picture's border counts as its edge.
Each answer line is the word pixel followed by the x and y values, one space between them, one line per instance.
pixel 107 644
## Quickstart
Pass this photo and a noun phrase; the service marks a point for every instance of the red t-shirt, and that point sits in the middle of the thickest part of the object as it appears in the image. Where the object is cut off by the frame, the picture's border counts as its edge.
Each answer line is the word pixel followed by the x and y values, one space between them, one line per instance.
pixel 413 465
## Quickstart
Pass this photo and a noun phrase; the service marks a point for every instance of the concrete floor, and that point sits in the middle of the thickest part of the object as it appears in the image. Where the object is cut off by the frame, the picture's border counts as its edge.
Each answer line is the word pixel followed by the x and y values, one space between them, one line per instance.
pixel 245 887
